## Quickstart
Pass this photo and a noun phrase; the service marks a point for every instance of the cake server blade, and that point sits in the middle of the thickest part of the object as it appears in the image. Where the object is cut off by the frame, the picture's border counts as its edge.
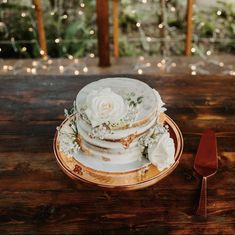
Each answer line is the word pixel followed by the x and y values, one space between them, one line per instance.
pixel 206 164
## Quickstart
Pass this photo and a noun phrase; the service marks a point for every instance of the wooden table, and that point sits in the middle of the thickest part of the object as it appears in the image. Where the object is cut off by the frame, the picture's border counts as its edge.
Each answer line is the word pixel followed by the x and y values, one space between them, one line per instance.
pixel 36 197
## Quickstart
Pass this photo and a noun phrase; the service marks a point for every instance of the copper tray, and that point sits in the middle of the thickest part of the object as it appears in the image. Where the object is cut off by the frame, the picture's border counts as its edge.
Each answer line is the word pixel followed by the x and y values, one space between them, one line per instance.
pixel 120 181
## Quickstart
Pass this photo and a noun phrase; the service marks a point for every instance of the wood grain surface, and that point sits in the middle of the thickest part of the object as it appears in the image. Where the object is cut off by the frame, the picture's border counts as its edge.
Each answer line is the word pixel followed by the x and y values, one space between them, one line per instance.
pixel 36 197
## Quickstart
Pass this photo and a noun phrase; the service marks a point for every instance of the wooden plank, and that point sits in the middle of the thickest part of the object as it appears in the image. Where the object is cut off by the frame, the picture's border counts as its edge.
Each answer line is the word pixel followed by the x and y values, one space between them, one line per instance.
pixel 102 11
pixel 188 41
pixel 115 29
pixel 40 27
pixel 38 198
pixel 46 197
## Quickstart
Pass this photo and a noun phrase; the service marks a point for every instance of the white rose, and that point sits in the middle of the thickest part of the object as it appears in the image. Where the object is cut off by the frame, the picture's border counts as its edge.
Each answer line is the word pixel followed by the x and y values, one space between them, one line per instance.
pixel 160 104
pixel 104 106
pixel 161 153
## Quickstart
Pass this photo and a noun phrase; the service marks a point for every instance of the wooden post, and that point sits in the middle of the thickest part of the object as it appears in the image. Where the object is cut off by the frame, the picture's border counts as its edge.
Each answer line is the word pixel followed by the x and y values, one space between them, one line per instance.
pixel 163 29
pixel 115 29
pixel 103 32
pixel 188 42
pixel 40 24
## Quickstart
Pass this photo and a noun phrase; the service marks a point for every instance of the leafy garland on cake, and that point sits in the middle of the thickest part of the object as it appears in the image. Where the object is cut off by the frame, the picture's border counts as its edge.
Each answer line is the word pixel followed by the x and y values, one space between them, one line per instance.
pixel 68 137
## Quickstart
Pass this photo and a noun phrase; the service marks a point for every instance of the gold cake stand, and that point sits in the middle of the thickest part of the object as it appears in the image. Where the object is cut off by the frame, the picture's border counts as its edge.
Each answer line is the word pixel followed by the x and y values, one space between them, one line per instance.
pixel 120 181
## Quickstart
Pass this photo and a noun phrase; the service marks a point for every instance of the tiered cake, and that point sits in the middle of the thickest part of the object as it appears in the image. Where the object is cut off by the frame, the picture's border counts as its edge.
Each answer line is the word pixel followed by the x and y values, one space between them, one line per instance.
pixel 117 122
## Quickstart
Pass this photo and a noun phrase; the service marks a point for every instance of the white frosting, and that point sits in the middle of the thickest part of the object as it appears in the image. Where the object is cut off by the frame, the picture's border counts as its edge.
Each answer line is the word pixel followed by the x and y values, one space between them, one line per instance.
pixel 126 88
pixel 161 153
pixel 159 103
pixel 104 106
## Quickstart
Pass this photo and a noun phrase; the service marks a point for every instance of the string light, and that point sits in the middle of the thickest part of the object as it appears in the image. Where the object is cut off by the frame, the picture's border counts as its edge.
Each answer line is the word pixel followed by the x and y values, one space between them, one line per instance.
pixel 221 64
pixel 34 63
pixel 5 67
pixel 162 64
pixel 92 32
pixel 42 52
pixel 61 68
pixel 202 24
pixel 57 40
pixel 85 69
pixel 232 73
pixel 70 57
pixel 34 71
pixel 23 49
pixel 193 67
pixel 193 50
pixel 76 72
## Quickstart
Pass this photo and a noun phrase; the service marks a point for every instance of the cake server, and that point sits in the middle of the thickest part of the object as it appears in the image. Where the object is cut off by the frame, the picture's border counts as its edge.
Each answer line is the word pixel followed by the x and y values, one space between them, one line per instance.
pixel 205 164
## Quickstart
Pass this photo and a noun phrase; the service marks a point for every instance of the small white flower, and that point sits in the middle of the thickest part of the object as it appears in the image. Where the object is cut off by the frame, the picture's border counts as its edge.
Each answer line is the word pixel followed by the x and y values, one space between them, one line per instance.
pixel 67 138
pixel 161 153
pixel 104 106
pixel 99 132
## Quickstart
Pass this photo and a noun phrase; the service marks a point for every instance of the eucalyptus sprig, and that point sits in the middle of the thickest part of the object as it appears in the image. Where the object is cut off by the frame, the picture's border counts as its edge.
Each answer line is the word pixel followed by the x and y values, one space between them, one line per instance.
pixel 132 100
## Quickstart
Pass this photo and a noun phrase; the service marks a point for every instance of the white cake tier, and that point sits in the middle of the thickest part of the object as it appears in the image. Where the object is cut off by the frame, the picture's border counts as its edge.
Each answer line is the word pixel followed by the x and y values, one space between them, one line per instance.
pixel 130 90
pixel 119 133
pixel 104 143
pixel 114 156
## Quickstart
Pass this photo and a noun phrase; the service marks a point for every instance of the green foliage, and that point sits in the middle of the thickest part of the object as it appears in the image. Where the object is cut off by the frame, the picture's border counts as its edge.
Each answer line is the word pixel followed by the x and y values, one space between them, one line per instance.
pixel 220 28
pixel 211 31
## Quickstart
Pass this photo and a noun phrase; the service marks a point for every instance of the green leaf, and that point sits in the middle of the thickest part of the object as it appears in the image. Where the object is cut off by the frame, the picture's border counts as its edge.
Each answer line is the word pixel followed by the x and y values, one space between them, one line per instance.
pixel 140 99
pixel 132 103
